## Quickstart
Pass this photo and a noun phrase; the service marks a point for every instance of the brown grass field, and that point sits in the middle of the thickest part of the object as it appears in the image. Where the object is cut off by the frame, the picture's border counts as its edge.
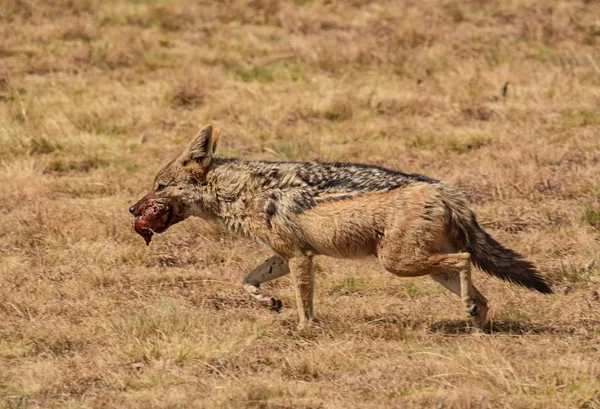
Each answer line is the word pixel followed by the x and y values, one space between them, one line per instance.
pixel 96 96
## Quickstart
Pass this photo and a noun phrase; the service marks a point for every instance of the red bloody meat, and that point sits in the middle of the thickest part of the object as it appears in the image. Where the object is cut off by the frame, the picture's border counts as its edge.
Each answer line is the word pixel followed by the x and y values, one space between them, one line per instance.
pixel 154 218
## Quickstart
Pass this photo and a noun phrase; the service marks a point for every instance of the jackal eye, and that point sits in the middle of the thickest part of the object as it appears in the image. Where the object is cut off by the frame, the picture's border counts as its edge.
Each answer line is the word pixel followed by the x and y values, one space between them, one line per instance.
pixel 160 187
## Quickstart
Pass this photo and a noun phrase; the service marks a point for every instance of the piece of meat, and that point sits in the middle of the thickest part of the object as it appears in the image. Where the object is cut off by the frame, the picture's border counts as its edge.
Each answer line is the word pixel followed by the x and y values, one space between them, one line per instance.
pixel 154 216
pixel 142 226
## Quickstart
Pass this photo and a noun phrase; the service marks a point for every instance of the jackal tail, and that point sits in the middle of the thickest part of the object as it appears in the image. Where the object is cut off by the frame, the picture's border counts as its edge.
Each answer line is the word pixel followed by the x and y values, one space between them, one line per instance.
pixel 486 253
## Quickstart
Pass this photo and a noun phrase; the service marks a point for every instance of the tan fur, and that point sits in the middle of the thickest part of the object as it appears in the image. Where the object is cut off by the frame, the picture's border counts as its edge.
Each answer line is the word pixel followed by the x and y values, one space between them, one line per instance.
pixel 414 225
pixel 389 226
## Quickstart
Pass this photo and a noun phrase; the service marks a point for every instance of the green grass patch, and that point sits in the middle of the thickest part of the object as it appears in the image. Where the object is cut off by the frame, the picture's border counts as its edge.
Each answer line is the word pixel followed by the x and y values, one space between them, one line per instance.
pixel 591 216
pixel 351 284
pixel 582 118
pixel 466 143
pixel 413 289
pixel 256 73
pixel 41 145
pixel 66 165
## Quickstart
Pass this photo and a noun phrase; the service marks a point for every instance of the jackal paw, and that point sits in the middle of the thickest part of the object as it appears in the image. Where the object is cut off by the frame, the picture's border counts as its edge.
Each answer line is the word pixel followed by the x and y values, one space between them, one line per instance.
pixel 276 305
pixel 477 330
pixel 471 308
pixel 306 324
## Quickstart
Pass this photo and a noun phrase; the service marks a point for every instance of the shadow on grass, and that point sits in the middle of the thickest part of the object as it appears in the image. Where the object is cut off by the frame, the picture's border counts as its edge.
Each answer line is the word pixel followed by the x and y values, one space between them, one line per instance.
pixel 455 327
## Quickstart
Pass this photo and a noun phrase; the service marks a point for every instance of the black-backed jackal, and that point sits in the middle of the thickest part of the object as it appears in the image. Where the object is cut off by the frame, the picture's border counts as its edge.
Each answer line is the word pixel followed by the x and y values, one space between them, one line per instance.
pixel 413 224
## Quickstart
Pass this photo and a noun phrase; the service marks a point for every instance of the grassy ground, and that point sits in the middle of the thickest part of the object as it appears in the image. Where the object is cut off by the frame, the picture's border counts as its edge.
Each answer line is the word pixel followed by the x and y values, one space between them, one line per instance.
pixel 95 96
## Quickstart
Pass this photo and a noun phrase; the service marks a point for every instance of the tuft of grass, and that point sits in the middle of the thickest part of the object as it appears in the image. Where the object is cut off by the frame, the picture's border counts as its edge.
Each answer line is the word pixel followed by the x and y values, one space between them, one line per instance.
pixel 259 397
pixel 591 215
pixel 412 289
pixel 256 73
pixel 467 143
pixel 187 96
pixel 421 142
pixel 156 60
pixel 43 146
pixel 351 284
pixel 583 118
pixel 99 123
pixel 107 57
pixel 340 108
pixel 302 370
pixel 62 164
pixel 169 19
pixel 165 317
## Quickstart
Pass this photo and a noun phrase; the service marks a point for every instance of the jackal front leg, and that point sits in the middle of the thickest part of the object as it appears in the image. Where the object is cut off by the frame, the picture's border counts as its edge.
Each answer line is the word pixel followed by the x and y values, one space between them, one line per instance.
pixel 304 281
pixel 271 269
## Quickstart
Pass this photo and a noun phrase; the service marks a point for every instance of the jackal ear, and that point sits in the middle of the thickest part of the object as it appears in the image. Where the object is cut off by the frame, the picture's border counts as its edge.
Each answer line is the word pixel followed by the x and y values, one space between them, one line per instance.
pixel 216 133
pixel 201 148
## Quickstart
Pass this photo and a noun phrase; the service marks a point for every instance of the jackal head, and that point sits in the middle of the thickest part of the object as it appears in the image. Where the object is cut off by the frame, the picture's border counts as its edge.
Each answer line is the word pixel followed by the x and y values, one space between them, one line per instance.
pixel 179 188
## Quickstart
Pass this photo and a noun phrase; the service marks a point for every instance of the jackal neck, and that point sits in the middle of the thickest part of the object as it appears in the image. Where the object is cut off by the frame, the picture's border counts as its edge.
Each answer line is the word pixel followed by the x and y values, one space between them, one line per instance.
pixel 230 193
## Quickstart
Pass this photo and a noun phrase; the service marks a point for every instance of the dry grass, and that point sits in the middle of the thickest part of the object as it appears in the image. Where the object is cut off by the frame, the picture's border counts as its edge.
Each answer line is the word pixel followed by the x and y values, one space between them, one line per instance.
pixel 95 96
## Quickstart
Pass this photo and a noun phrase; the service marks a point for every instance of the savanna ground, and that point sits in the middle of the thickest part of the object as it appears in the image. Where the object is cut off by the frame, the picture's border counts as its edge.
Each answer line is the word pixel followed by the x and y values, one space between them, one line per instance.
pixel 95 96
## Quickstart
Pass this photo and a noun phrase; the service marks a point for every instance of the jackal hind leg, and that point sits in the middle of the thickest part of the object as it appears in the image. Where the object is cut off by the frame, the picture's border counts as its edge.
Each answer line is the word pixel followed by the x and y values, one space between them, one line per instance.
pixel 475 307
pixel 271 269
pixel 418 244
pixel 304 282
pixel 455 264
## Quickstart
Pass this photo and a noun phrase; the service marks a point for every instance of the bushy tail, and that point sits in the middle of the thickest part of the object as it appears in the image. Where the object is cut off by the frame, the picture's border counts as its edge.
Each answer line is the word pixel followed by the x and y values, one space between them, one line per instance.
pixel 486 253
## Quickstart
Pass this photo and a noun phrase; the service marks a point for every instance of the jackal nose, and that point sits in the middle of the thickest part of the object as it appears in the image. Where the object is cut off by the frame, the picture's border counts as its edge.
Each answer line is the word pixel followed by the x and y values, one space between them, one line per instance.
pixel 132 210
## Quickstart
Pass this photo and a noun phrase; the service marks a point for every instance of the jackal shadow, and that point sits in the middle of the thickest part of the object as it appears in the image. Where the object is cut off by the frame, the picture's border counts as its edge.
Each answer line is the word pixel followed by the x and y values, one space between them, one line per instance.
pixel 455 327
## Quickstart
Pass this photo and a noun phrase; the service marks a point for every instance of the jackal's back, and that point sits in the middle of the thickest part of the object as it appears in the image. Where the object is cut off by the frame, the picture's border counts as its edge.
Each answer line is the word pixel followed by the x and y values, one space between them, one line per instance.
pixel 304 185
